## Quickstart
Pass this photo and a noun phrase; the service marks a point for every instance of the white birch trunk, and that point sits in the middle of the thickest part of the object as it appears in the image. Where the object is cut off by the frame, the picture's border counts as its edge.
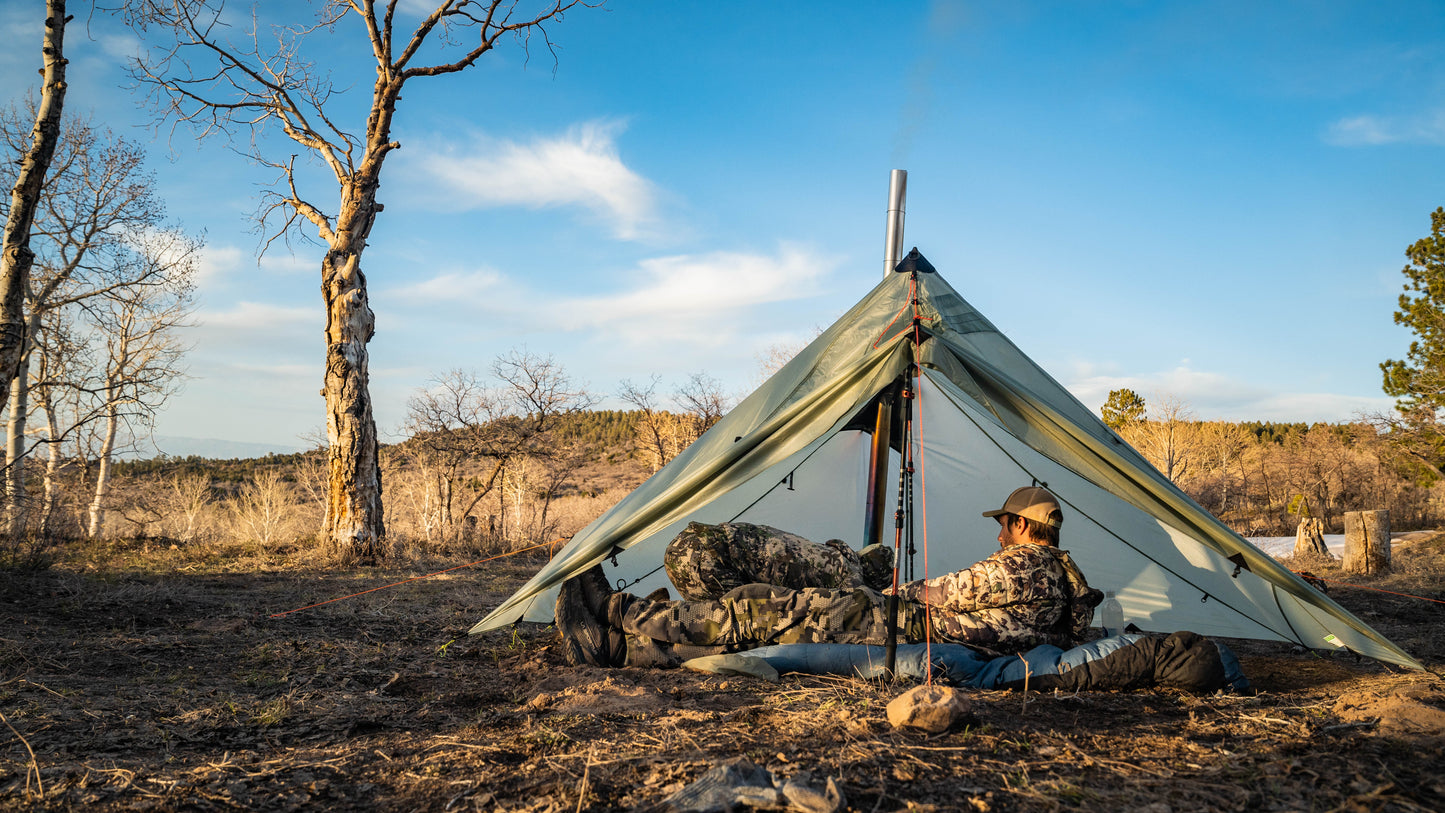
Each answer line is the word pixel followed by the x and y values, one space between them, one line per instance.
pixel 16 256
pixel 15 496
pixel 102 476
pixel 53 462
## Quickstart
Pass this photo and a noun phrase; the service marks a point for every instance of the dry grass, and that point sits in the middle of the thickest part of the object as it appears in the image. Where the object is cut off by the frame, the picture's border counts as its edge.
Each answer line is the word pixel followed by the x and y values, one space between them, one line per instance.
pixel 156 679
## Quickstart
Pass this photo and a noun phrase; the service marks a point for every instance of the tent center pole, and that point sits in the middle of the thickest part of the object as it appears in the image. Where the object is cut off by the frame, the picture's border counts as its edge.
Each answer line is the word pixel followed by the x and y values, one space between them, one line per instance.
pixel 874 514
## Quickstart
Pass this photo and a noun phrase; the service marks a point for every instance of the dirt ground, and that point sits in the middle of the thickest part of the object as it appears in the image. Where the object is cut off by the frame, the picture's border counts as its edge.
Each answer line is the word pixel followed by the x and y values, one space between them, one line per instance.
pixel 160 682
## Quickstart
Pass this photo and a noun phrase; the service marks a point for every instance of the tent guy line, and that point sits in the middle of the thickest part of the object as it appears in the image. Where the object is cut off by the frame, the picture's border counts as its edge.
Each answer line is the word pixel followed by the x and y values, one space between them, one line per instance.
pixel 1371 589
pixel 419 578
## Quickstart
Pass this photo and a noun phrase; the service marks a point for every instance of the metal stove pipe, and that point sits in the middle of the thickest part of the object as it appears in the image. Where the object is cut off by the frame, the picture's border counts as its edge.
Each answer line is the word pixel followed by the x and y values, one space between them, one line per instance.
pixel 893 240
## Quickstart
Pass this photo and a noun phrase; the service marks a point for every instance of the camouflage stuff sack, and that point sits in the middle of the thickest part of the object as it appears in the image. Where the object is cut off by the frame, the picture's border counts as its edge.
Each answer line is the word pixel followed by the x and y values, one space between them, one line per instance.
pixel 707 561
pixel 760 614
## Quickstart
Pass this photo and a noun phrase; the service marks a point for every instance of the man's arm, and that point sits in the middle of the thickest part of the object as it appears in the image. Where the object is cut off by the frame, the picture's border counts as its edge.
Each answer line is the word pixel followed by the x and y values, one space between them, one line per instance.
pixel 958 592
pixel 992 582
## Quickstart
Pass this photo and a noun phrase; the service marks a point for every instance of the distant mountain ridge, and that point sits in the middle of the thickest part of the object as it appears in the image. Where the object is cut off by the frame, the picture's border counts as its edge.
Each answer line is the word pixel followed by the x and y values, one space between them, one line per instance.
pixel 210 448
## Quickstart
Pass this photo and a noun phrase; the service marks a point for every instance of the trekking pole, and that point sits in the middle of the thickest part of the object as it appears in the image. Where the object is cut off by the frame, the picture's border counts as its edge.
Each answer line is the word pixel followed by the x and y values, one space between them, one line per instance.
pixel 905 493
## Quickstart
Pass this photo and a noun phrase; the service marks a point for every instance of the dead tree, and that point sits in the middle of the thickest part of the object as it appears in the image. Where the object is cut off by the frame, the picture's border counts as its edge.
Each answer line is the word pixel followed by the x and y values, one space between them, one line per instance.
pixel 464 429
pixel 139 330
pixel 702 399
pixel 202 78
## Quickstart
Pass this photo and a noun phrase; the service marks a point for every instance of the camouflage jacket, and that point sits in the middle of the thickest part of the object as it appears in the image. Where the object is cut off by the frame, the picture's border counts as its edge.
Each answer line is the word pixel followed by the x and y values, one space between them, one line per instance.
pixel 1014 600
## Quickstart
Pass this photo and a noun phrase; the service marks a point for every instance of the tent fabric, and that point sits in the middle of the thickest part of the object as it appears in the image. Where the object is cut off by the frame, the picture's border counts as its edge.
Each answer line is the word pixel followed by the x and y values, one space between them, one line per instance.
pixel 986 420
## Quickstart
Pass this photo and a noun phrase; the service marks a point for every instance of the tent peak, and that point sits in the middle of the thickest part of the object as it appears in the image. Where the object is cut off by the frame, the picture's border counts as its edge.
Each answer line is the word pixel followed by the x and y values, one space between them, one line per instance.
pixel 915 261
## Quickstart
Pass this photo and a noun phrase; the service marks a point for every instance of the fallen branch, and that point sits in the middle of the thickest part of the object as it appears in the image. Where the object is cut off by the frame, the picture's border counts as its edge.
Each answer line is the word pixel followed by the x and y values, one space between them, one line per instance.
pixel 33 767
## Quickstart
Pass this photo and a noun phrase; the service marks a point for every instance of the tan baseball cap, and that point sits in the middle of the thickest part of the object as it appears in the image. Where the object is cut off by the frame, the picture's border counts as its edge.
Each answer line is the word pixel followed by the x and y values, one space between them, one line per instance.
pixel 1030 502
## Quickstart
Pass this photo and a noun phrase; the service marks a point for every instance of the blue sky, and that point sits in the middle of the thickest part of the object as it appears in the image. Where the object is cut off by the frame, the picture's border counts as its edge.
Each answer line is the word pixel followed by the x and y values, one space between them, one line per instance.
pixel 1207 200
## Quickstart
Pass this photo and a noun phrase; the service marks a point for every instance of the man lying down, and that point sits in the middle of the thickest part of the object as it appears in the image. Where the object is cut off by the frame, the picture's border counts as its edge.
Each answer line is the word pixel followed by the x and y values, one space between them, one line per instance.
pixel 795 605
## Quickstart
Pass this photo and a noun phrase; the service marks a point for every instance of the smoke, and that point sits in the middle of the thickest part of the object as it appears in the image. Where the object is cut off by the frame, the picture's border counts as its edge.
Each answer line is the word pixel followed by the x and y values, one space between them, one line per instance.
pixel 945 19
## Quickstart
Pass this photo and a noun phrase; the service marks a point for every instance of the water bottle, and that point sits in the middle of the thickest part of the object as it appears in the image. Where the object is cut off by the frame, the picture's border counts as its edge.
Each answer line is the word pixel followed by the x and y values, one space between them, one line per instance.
pixel 1111 615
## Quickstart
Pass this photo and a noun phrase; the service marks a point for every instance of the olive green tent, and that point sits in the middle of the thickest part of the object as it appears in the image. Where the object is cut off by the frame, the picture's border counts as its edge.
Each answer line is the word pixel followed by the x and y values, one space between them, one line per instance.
pixel 795 454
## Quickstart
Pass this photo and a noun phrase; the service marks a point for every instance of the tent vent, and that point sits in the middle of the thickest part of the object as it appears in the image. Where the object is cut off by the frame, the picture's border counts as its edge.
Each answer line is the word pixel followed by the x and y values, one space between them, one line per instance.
pixel 960 316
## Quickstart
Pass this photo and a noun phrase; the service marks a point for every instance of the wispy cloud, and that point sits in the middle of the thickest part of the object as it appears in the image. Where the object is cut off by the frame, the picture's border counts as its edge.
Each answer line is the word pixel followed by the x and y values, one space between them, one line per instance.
pixel 221 262
pixel 22 28
pixel 218 262
pixel 1214 396
pixel 692 298
pixel 1371 130
pixel 308 371
pixel 580 168
pixel 457 287
pixel 118 47
pixel 284 262
pixel 257 316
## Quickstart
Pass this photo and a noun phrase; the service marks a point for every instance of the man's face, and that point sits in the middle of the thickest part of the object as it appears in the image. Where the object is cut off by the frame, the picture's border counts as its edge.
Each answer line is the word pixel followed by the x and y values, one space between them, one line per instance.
pixel 1011 530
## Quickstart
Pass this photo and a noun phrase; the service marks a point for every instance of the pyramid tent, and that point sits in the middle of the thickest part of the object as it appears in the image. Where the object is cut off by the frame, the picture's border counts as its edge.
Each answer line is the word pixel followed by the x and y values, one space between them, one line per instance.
pixel 985 420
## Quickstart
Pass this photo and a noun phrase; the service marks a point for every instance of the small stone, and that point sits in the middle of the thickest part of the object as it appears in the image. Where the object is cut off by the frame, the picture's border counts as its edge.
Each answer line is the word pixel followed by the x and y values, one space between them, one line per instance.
pixel 934 709
pixel 802 795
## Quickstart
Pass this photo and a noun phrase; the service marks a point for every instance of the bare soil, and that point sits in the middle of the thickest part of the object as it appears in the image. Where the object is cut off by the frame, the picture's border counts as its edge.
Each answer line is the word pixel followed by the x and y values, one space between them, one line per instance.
pixel 161 682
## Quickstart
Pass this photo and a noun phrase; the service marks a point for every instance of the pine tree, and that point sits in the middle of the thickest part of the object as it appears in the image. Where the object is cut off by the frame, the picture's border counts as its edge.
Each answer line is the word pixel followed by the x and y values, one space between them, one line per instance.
pixel 1418 382
pixel 1123 408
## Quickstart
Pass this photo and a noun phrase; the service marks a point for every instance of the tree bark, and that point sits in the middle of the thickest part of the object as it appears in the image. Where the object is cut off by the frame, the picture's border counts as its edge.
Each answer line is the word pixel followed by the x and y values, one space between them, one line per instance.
pixel 354 521
pixel 16 256
pixel 1309 540
pixel 1367 542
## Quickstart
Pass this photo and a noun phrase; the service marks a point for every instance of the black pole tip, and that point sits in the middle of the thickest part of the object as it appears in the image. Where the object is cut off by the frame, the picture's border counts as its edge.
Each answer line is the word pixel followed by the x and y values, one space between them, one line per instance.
pixel 915 262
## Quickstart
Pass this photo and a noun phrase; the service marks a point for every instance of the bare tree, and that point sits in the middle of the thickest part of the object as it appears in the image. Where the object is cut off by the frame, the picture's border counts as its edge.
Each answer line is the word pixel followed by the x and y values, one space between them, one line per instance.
pixel 60 359
pixel 1226 444
pixel 202 78
pixel 556 470
pixel 653 432
pixel 263 508
pixel 192 494
pixel 1416 431
pixel 703 400
pixel 142 369
pixel 663 434
pixel 16 257
pixel 464 430
pixel 772 358
pixel 1169 439
pixel 100 229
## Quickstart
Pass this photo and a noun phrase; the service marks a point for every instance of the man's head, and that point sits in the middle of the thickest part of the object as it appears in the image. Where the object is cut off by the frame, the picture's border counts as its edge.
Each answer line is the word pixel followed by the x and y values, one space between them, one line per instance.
pixel 1030 514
